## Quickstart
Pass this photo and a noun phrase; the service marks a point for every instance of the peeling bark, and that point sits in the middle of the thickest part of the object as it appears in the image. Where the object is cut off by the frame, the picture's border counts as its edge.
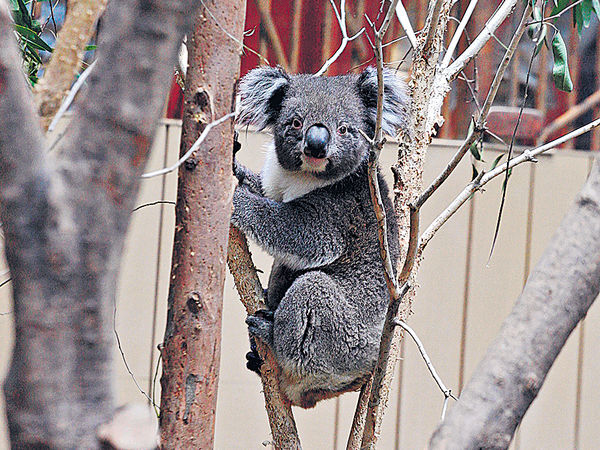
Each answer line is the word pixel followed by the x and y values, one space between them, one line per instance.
pixel 192 343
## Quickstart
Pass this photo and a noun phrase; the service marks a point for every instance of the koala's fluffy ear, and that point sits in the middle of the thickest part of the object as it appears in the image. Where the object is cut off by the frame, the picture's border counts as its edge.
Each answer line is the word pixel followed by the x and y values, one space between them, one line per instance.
pixel 396 102
pixel 261 93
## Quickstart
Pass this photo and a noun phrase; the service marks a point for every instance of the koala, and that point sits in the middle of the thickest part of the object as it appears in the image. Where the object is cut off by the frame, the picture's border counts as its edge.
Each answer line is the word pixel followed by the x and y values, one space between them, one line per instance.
pixel 310 208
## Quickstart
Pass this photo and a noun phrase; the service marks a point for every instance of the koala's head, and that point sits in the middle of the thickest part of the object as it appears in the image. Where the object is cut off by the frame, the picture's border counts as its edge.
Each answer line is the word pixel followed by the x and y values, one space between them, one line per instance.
pixel 316 120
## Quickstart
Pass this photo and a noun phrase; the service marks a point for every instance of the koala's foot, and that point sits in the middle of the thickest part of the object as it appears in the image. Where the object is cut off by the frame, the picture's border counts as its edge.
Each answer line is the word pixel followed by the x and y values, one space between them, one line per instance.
pixel 253 359
pixel 260 325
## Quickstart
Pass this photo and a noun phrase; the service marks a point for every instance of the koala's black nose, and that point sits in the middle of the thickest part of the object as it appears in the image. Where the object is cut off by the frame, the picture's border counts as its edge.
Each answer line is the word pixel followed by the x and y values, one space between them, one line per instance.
pixel 317 138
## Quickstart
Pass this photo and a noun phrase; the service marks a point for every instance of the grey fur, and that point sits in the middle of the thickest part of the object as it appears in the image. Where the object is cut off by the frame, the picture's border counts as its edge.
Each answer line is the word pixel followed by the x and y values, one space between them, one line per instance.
pixel 326 287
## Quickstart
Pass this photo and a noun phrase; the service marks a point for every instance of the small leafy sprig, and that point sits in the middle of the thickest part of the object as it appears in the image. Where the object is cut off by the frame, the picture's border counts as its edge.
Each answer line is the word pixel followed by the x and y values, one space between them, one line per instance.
pixel 29 32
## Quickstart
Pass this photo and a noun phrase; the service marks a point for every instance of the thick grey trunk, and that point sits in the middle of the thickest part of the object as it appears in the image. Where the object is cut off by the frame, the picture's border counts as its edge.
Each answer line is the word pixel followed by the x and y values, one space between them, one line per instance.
pixel 556 297
pixel 65 220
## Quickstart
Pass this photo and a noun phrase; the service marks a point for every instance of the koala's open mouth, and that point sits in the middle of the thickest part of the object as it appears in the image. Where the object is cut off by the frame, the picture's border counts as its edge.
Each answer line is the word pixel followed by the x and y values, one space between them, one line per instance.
pixel 312 164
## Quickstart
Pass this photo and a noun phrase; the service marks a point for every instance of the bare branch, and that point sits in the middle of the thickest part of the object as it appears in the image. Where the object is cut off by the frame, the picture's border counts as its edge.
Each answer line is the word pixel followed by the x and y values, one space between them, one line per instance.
pixel 458 33
pixel 192 149
pixel 479 125
pixel 570 115
pixel 341 17
pixel 432 20
pixel 281 419
pixel 406 25
pixel 505 10
pixel 557 295
pixel 71 96
pixel 447 392
pixel 484 178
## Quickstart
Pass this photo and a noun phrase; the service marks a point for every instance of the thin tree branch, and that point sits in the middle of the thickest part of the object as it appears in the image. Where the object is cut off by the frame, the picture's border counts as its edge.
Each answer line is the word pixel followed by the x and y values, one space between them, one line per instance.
pixel 570 115
pixel 341 17
pixel 479 126
pixel 406 25
pixel 505 10
pixel 71 96
pixel 433 20
pixel 458 33
pixel 279 411
pixel 192 149
pixel 556 297
pixel 438 380
pixel 484 178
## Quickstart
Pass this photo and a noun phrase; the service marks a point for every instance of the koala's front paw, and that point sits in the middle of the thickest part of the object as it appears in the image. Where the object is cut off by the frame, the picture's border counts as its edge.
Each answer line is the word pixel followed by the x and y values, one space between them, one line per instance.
pixel 241 198
pixel 260 325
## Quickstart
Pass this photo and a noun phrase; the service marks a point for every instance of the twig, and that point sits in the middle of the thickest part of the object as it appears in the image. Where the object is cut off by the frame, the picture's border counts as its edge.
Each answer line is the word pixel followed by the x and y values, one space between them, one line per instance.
pixel 157 202
pixel 406 25
pixel 484 178
pixel 279 411
pixel 570 115
pixel 505 9
pixel 192 149
pixel 479 125
pixel 120 348
pixel 510 148
pixel 231 36
pixel 341 18
pixel 458 33
pixel 447 392
pixel 71 96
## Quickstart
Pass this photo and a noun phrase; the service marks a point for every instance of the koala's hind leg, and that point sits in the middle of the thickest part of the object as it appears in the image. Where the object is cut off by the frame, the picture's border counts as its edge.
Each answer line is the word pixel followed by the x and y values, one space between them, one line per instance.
pixel 321 340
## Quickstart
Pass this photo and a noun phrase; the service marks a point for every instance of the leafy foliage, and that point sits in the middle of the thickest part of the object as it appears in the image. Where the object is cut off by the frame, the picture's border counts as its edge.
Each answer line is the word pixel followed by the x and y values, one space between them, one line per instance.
pixel 581 11
pixel 29 32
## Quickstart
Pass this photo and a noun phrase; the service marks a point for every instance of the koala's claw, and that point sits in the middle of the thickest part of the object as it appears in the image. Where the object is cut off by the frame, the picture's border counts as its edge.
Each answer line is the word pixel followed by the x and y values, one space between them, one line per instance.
pixel 236 143
pixel 254 361
pixel 261 327
pixel 266 314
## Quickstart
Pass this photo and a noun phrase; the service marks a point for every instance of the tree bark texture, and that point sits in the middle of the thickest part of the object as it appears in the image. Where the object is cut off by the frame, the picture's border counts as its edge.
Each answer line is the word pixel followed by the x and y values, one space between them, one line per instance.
pixel 556 297
pixel 192 342
pixel 65 220
pixel 76 32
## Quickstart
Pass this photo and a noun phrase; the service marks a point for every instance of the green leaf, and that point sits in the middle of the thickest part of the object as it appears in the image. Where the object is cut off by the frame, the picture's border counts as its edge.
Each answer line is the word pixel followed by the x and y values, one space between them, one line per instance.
pixel 497 160
pixel 475 173
pixel 474 149
pixel 26 17
pixel 90 47
pixel 32 38
pixel 559 6
pixel 560 70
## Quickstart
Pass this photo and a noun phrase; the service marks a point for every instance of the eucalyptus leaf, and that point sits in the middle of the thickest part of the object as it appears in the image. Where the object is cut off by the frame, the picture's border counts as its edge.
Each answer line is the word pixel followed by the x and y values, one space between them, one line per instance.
pixel 32 38
pixel 497 160
pixel 560 70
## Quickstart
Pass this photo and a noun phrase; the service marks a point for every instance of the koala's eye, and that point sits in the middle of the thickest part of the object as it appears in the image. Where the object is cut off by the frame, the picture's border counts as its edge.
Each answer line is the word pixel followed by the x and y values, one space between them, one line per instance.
pixel 296 124
pixel 343 129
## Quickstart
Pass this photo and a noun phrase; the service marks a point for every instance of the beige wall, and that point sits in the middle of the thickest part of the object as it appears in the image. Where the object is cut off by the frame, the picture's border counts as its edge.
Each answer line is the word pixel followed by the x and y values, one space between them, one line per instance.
pixel 489 289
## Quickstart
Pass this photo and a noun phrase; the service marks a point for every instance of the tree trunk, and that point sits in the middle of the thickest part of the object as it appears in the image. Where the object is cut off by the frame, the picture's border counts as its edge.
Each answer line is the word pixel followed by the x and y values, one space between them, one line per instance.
pixel 557 296
pixel 191 350
pixel 65 220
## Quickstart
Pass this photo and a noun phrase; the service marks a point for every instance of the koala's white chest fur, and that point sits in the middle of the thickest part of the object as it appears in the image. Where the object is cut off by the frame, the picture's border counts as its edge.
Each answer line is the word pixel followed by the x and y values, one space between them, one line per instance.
pixel 283 185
